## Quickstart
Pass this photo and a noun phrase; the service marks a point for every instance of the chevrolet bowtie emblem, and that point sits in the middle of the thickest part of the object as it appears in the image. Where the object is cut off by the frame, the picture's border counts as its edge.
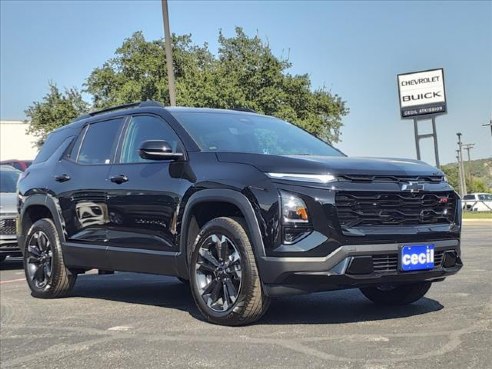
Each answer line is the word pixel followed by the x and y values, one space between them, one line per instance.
pixel 412 187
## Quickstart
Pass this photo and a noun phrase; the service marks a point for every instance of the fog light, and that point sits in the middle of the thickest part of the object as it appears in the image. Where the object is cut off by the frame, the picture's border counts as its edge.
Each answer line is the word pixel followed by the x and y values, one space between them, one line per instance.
pixel 449 259
pixel 293 235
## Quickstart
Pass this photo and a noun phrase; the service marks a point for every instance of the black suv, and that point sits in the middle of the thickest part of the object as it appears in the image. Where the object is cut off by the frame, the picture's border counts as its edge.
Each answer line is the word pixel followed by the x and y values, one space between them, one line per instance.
pixel 243 206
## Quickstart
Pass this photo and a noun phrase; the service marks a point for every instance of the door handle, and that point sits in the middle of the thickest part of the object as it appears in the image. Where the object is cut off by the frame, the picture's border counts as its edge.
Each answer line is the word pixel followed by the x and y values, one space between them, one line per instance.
pixel 62 178
pixel 119 179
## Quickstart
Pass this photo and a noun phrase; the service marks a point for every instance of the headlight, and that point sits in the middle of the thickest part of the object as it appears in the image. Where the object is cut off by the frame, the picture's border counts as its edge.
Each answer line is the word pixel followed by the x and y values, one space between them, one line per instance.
pixel 317 178
pixel 294 209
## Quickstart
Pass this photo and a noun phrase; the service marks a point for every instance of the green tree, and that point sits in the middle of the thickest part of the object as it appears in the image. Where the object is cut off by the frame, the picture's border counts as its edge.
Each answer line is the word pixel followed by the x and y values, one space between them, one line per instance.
pixel 56 109
pixel 452 175
pixel 476 185
pixel 245 73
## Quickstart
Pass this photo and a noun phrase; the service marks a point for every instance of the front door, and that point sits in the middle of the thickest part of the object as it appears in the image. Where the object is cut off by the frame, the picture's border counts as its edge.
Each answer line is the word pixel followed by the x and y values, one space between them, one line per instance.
pixel 143 201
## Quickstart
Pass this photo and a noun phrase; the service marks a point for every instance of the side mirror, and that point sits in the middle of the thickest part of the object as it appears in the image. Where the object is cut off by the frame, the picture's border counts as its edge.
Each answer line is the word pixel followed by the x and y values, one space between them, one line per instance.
pixel 158 150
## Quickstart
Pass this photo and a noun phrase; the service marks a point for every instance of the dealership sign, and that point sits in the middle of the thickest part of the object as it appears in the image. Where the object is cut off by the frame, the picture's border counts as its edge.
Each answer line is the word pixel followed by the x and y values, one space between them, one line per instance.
pixel 422 93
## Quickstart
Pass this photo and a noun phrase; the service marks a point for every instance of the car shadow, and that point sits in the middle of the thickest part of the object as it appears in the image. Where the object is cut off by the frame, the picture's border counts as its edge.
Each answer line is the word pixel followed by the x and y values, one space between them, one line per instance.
pixel 11 264
pixel 346 306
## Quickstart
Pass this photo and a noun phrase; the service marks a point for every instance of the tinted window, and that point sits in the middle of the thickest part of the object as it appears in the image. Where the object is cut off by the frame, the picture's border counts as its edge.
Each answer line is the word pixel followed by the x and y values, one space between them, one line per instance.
pixel 98 142
pixel 74 151
pixel 8 180
pixel 469 197
pixel 52 143
pixel 250 133
pixel 144 128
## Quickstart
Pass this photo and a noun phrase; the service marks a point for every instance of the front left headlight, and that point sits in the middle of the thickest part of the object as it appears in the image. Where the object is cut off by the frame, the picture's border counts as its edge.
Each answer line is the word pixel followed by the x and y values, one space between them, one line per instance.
pixel 294 210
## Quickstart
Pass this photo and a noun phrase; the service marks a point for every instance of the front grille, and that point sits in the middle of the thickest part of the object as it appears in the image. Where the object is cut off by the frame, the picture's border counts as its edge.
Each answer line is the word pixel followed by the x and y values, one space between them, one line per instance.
pixel 392 179
pixel 7 227
pixel 395 208
pixel 389 263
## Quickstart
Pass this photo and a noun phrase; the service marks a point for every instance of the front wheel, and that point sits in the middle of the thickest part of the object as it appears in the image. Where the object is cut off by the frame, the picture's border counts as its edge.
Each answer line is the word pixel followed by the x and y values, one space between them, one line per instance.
pixel 45 270
pixel 396 295
pixel 223 274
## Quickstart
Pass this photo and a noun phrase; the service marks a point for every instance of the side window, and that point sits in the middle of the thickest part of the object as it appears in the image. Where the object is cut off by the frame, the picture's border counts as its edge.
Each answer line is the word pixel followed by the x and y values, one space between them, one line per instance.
pixel 144 128
pixel 98 142
pixel 52 143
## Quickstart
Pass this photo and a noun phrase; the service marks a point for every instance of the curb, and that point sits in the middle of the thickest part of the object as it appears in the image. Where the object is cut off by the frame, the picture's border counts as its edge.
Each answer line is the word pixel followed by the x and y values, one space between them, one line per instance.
pixel 477 220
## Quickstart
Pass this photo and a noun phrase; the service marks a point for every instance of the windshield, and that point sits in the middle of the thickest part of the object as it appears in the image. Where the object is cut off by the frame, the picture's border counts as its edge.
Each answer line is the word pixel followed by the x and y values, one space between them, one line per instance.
pixel 230 132
pixel 8 180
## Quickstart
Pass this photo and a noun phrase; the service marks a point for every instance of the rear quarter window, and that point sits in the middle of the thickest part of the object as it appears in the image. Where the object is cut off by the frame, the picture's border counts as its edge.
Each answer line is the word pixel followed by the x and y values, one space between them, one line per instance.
pixel 52 143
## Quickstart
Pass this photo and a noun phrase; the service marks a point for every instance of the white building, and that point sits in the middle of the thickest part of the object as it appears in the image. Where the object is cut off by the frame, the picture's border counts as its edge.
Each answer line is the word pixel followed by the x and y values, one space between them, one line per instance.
pixel 15 143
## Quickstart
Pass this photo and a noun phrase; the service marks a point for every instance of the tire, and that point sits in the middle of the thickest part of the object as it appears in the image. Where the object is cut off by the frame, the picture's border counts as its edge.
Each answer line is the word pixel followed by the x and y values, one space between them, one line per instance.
pixel 231 276
pixel 397 295
pixel 45 270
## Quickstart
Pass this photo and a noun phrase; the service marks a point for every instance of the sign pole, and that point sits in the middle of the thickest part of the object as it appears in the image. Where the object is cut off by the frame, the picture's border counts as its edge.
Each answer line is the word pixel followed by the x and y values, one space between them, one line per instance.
pixel 434 135
pixel 417 139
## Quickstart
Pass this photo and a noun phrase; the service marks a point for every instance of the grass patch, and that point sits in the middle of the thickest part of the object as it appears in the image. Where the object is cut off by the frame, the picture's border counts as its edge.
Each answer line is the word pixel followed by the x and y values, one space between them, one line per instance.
pixel 477 215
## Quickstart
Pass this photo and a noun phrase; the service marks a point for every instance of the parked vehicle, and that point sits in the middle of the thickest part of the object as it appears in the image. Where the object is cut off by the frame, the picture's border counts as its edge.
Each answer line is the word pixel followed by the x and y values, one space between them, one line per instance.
pixel 245 206
pixel 21 165
pixel 477 202
pixel 8 212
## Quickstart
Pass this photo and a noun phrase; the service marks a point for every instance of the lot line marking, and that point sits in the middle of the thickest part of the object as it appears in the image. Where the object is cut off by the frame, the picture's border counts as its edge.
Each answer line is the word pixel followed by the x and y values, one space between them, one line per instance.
pixel 12 280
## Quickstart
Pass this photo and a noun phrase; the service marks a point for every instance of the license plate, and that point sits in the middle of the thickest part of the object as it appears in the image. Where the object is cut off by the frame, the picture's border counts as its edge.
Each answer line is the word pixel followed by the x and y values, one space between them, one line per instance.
pixel 416 257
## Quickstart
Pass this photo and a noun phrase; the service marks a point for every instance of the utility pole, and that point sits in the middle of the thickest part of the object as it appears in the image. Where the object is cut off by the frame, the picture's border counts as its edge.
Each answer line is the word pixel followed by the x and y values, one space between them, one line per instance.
pixel 169 53
pixel 489 124
pixel 462 168
pixel 460 190
pixel 468 147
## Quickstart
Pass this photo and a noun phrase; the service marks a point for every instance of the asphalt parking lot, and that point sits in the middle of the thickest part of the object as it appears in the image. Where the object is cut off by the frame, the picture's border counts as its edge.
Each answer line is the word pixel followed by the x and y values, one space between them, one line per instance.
pixel 140 321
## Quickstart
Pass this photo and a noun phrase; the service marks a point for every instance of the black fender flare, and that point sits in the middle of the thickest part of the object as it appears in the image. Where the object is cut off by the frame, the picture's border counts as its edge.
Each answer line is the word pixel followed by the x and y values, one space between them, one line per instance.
pixel 223 195
pixel 49 202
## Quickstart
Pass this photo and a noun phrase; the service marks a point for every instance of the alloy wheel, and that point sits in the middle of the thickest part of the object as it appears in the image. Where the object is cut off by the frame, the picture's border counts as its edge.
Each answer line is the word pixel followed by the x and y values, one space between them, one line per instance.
pixel 39 258
pixel 218 272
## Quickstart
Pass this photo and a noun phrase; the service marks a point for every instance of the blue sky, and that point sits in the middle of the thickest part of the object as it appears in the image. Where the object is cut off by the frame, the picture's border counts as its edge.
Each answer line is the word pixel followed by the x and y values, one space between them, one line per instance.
pixel 355 49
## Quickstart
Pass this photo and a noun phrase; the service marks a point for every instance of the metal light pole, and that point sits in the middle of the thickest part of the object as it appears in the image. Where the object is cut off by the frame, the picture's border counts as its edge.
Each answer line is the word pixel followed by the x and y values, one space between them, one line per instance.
pixel 462 168
pixel 169 53
pixel 468 147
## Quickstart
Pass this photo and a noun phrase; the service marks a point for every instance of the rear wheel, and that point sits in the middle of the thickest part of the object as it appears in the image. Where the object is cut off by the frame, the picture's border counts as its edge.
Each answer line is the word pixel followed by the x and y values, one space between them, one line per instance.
pixel 223 274
pixel 396 295
pixel 46 273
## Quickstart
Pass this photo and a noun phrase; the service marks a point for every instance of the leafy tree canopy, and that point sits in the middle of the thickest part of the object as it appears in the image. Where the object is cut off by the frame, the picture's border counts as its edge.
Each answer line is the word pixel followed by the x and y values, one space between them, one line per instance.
pixel 244 73
pixel 56 109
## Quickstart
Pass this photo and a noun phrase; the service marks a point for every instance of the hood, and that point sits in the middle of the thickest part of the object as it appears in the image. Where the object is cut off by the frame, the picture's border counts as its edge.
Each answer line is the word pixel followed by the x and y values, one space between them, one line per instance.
pixel 8 203
pixel 335 165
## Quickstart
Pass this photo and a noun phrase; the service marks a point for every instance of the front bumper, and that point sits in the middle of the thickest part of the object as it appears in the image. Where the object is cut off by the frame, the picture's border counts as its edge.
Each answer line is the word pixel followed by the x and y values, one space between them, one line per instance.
pixel 353 266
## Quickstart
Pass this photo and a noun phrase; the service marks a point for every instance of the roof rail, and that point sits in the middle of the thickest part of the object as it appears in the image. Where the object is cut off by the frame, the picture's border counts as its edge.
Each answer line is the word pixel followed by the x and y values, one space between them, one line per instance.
pixel 140 104
pixel 124 106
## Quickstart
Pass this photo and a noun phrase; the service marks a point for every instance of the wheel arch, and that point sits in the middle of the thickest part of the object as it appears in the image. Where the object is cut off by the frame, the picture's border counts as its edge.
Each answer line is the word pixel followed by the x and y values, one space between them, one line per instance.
pixel 37 207
pixel 234 201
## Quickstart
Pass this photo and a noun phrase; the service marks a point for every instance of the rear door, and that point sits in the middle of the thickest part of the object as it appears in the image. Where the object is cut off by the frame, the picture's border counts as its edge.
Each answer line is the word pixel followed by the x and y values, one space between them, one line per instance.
pixel 82 184
pixel 143 200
